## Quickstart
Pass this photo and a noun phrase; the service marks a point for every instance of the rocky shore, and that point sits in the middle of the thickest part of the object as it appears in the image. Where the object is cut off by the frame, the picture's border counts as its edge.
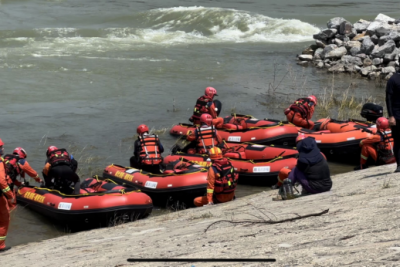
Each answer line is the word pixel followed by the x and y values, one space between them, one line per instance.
pixel 368 48
pixel 360 229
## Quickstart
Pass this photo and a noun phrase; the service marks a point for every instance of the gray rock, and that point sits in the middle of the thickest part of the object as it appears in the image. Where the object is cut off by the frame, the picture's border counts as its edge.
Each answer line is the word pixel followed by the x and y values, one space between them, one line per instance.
pixel 303 63
pixel 379 28
pixel 392 64
pixel 366 70
pixel 391 56
pixel 383 30
pixel 362 56
pixel 367 45
pixel 388 76
pixel 338 42
pixel 337 68
pixel 328 49
pixel 335 23
pixel 357 68
pixel 375 39
pixel 351 60
pixel 327 61
pixel 318 52
pixel 384 18
pixel 394 35
pixel 372 75
pixel 351 44
pixel 388 70
pixel 339 36
pixel 336 53
pixel 397 21
pixel 345 27
pixel 367 62
pixel 350 68
pixel 354 51
pixel 310 50
pixel 377 61
pixel 361 25
pixel 320 43
pixel 387 48
pixel 383 40
pixel 352 34
pixel 305 57
pixel 325 34
pixel 327 65
pixel 320 65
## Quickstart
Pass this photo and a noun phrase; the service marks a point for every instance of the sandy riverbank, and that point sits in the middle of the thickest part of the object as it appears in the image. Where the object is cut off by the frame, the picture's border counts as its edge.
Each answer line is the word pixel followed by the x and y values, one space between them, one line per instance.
pixel 360 229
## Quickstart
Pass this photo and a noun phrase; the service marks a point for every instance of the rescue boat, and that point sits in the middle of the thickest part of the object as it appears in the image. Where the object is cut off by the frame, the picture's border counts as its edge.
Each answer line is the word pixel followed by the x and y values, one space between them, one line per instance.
pixel 337 138
pixel 88 209
pixel 179 183
pixel 277 133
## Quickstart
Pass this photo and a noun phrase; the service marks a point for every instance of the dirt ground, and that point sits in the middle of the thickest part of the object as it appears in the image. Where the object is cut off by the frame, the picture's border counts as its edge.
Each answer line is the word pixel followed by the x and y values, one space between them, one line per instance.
pixel 360 229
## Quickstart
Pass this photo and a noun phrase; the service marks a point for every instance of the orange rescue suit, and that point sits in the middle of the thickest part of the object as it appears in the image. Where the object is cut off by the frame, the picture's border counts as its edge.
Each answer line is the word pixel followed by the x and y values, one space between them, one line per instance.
pixel 206 137
pixel 5 193
pixel 378 146
pixel 300 113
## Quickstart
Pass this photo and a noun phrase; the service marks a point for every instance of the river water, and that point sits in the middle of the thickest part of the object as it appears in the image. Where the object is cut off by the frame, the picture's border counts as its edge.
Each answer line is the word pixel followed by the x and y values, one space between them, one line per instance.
pixel 84 74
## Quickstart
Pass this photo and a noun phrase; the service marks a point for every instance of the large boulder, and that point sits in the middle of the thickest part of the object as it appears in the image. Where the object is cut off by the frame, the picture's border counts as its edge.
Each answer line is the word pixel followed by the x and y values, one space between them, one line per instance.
pixel 367 45
pixel 328 49
pixel 388 70
pixel 336 53
pixel 335 23
pixel 345 28
pixel 354 51
pixel 383 40
pixel 361 25
pixel 325 34
pixel 305 57
pixel 320 43
pixel 351 44
pixel 391 56
pixel 351 60
pixel 378 28
pixel 394 35
pixel 318 52
pixel 377 61
pixel 387 48
pixel 366 70
pixel 384 18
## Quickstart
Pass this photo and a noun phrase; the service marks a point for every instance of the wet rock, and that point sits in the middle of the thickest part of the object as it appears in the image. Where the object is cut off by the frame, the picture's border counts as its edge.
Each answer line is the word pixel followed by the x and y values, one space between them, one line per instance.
pixel 357 68
pixel 351 60
pixel 335 23
pixel 305 57
pixel 327 65
pixel 338 42
pixel 361 25
pixel 388 70
pixel 384 18
pixel 383 40
pixel 336 53
pixel 375 39
pixel 367 62
pixel 318 52
pixel 367 45
pixel 366 70
pixel 325 34
pixel 354 51
pixel 320 65
pixel 321 43
pixel 303 63
pixel 309 50
pixel 372 75
pixel 337 68
pixel 345 27
pixel 358 37
pixel 387 48
pixel 377 61
pixel 350 68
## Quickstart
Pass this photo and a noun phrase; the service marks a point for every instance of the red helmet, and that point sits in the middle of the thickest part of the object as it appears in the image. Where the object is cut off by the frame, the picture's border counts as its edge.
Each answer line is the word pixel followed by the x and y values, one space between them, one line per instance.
pixel 1 143
pixel 210 92
pixel 313 99
pixel 142 128
pixel 50 149
pixel 300 137
pixel 20 152
pixel 206 118
pixel 382 123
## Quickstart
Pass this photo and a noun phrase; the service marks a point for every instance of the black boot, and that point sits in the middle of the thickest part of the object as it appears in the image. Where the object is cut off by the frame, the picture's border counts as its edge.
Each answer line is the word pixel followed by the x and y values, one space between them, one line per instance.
pixel 361 167
pixel 5 249
pixel 398 169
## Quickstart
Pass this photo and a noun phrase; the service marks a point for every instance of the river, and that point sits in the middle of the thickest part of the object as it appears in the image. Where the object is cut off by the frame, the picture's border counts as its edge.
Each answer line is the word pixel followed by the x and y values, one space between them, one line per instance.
pixel 83 74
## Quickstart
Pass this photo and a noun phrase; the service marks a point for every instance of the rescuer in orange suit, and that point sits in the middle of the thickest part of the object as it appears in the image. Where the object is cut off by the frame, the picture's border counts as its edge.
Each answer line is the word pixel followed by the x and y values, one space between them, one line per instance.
pixel 206 135
pixel 378 146
pixel 25 167
pixel 205 104
pixel 7 199
pixel 301 112
pixel 221 180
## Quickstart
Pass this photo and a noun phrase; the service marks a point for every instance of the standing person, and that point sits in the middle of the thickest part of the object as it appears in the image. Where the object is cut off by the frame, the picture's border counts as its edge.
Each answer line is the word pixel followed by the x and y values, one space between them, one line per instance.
pixel 379 146
pixel 205 104
pixel 301 111
pixel 148 150
pixel 7 199
pixel 206 135
pixel 221 180
pixel 393 108
pixel 58 171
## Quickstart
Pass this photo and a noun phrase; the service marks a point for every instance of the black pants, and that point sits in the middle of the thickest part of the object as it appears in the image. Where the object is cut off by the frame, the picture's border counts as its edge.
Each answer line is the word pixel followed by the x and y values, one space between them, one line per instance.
pixel 396 141
pixel 134 163
pixel 64 177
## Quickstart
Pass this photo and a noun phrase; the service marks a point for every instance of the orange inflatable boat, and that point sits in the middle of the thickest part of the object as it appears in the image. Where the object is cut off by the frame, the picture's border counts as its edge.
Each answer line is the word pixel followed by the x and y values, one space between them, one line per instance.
pixel 89 209
pixel 180 182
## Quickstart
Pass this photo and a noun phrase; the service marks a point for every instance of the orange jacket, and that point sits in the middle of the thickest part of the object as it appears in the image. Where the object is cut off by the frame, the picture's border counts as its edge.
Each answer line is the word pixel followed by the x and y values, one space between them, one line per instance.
pixel 5 189
pixel 26 168
pixel 298 120
pixel 193 136
pixel 211 175
pixel 386 144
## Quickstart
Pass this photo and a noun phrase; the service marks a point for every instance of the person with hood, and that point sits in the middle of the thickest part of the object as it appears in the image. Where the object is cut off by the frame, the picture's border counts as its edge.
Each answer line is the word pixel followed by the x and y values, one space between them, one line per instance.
pixel 221 180
pixel 301 111
pixel 311 171
pixel 205 104
pixel 393 108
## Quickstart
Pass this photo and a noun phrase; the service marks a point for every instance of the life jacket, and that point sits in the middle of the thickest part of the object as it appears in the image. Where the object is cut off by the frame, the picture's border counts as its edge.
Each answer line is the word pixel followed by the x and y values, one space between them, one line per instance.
pixel 207 138
pixel 226 180
pixel 150 152
pixel 385 148
pixel 11 167
pixel 59 157
pixel 200 108
pixel 301 106
pixel 91 185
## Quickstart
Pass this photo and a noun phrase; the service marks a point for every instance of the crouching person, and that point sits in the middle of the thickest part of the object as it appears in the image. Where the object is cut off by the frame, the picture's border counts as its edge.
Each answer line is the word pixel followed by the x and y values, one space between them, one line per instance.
pixel 221 180
pixel 311 171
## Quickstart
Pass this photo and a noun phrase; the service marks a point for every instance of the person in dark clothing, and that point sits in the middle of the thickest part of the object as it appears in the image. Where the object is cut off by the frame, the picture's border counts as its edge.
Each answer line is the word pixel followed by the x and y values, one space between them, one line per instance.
pixel 147 151
pixel 312 170
pixel 393 108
